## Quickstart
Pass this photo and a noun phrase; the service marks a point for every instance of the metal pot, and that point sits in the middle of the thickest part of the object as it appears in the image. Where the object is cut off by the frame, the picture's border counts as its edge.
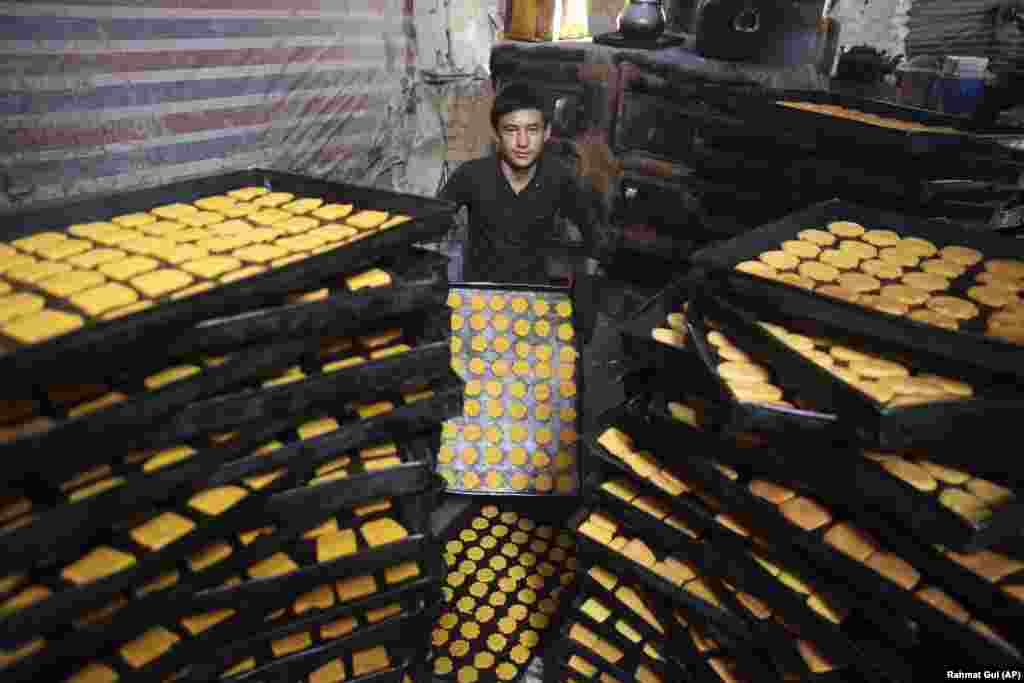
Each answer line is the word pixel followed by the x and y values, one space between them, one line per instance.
pixel 643 20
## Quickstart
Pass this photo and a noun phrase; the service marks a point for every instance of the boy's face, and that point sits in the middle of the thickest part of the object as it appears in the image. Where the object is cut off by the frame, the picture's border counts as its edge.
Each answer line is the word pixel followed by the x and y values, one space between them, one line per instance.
pixel 521 136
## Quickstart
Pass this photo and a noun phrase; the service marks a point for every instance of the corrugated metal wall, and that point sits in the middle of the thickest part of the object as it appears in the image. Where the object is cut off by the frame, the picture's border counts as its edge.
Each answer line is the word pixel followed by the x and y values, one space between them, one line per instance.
pixel 103 95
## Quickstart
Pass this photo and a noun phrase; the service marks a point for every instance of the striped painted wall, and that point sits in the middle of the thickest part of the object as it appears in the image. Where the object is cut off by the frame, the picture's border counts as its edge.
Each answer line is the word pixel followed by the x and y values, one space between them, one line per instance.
pixel 104 95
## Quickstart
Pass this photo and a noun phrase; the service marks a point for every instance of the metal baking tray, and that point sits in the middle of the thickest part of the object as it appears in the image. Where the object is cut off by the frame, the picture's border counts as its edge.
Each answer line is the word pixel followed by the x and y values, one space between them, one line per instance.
pixel 73 356
pixel 418 611
pixel 704 515
pixel 195 648
pixel 419 280
pixel 729 562
pixel 774 300
pixel 57 527
pixel 730 616
pixel 645 352
pixel 539 548
pixel 563 477
pixel 427 362
pixel 742 575
pixel 749 415
pixel 213 589
pixel 65 528
pixel 969 139
pixel 626 670
pixel 632 655
pixel 993 410
pixel 67 600
pixel 765 519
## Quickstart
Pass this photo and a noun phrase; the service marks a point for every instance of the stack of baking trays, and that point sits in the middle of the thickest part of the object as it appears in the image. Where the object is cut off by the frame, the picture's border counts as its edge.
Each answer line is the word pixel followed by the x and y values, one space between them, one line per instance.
pixel 813 476
pixel 511 563
pixel 222 400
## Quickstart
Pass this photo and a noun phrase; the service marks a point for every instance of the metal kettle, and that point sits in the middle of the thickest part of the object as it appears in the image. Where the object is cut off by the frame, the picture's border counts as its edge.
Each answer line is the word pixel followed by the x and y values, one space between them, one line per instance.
pixel 643 20
pixel 734 29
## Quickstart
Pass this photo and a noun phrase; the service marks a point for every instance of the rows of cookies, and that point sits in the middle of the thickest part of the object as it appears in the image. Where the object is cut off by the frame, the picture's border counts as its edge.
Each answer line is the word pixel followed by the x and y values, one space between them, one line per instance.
pixel 953 287
pixel 867 117
pixel 217 536
pixel 517 434
pixel 54 282
pixel 506 576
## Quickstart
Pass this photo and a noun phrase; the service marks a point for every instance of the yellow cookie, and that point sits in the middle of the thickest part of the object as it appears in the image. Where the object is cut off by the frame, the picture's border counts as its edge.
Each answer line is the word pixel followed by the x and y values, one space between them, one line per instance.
pixel 965 256
pixel 843 260
pixel 881 238
pixel 858 249
pixel 779 260
pixel 899 256
pixel 500 323
pixel 859 282
pixel 564 309
pixel 815 270
pixel 566 332
pixel 1010 268
pixel 757 268
pixel 501 344
pixel 846 229
pixel 882 269
pixel 497 303
pixel 801 249
pixel 953 307
pixel 521 327
pixel 928 282
pixel 817 237
pixel 540 307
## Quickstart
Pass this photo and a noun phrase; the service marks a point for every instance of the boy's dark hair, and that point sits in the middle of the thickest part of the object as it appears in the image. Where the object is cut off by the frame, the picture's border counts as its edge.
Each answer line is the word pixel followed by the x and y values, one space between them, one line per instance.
pixel 516 96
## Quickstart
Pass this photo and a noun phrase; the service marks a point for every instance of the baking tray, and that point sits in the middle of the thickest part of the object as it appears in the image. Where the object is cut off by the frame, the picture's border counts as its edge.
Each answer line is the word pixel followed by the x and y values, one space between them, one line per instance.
pixel 981 580
pixel 748 415
pixel 727 615
pixel 193 647
pixel 550 469
pixel 427 362
pixel 57 527
pixel 479 607
pixel 768 521
pixel 621 626
pixel 65 528
pixel 67 599
pixel 392 635
pixel 716 554
pixel 993 411
pixel 63 357
pixel 774 300
pixel 101 430
pixel 419 281
pixel 969 138
pixel 646 352
pixel 704 515
pixel 221 588
pixel 626 670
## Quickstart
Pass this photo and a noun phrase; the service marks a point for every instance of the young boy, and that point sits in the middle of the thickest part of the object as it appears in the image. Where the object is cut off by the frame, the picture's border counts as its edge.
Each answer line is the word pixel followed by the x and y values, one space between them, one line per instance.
pixel 516 196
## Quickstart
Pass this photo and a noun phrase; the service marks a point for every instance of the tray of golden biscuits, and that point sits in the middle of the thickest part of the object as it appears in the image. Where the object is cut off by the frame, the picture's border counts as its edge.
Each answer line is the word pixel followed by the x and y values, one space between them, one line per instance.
pixel 790 519
pixel 98 273
pixel 244 565
pixel 816 610
pixel 610 651
pixel 849 120
pixel 623 435
pixel 517 349
pixel 213 645
pixel 406 352
pixel 882 396
pixel 41 520
pixel 911 282
pixel 509 570
pixel 302 648
pixel 341 305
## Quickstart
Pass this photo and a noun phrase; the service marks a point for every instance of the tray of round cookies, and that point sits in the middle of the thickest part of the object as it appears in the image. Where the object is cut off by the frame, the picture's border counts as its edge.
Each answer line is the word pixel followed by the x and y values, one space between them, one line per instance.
pixel 101 272
pixel 884 397
pixel 919 284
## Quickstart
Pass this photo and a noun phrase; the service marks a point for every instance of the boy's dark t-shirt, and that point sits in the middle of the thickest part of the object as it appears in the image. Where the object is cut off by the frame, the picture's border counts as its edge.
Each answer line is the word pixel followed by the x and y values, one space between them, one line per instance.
pixel 506 230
